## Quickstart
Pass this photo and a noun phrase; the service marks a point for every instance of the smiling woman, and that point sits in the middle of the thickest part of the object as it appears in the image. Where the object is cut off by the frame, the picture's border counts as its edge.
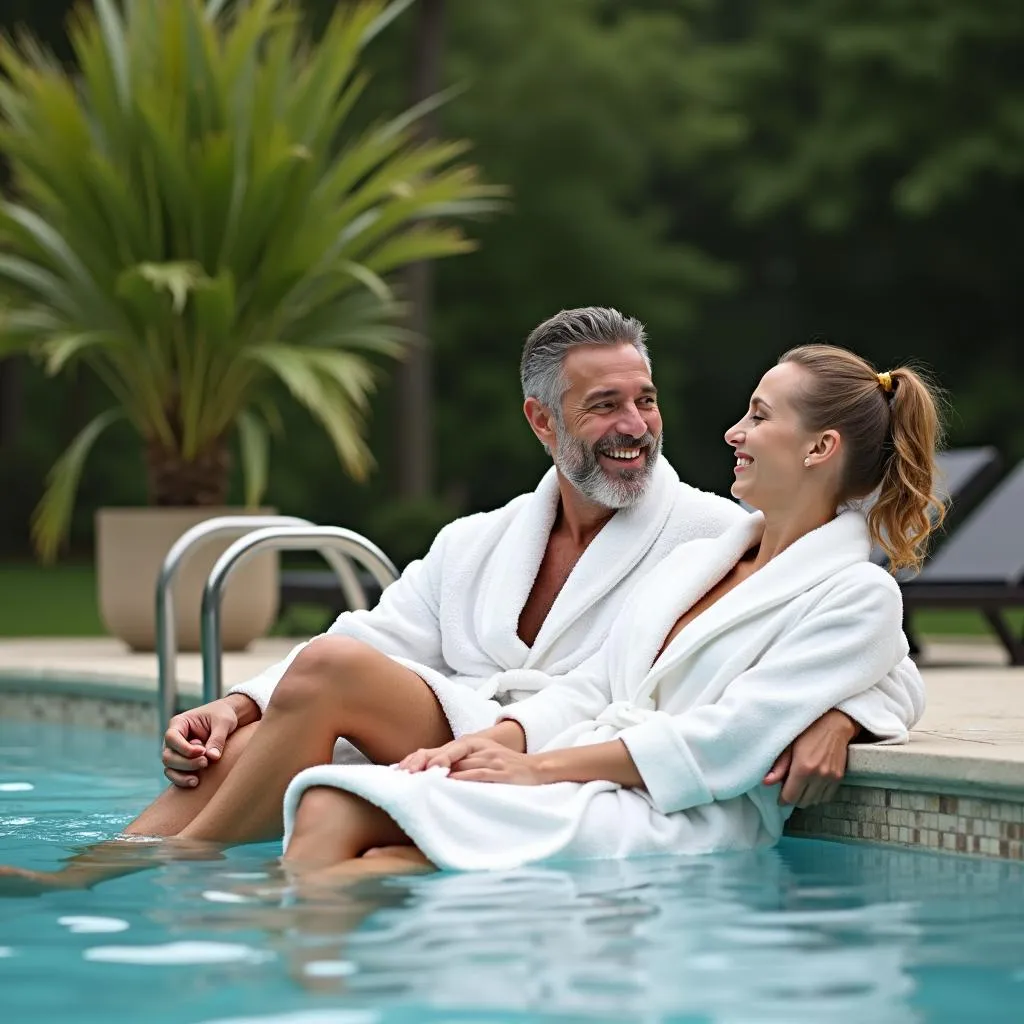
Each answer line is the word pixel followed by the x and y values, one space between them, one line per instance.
pixel 825 411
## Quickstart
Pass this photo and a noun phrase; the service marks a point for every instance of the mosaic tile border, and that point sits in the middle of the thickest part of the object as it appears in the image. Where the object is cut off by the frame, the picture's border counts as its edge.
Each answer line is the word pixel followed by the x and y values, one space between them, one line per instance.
pixel 934 821
pixel 69 709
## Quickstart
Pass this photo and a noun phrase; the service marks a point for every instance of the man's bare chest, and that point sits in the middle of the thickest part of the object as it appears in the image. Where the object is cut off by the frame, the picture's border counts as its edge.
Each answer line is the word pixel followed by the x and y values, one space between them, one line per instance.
pixel 555 568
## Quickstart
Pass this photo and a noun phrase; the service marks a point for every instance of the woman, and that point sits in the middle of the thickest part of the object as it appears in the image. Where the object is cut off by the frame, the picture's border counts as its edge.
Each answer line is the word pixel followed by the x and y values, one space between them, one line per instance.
pixel 724 654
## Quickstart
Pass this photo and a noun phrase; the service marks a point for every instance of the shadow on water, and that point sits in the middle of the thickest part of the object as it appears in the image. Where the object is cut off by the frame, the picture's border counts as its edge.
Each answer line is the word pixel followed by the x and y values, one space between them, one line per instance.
pixel 809 931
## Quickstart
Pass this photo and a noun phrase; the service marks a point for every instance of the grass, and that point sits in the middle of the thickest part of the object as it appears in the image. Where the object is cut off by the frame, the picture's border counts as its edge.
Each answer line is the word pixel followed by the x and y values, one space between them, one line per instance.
pixel 60 600
pixel 56 600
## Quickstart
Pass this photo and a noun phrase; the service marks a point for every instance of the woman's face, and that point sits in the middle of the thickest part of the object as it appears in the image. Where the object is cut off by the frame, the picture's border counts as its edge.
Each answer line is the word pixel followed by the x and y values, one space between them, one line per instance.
pixel 771 444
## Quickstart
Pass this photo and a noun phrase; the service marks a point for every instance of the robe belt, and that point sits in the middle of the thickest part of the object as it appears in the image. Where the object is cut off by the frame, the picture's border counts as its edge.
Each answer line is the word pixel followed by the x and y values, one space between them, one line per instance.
pixel 621 714
pixel 519 682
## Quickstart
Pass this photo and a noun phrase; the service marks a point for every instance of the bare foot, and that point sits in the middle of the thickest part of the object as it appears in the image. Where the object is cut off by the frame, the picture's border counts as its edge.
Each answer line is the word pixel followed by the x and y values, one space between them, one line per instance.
pixel 407 863
pixel 22 882
pixel 111 859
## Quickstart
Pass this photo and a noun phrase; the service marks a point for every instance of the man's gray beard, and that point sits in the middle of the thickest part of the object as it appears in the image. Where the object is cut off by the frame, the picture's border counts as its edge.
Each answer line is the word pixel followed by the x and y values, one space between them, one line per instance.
pixel 579 464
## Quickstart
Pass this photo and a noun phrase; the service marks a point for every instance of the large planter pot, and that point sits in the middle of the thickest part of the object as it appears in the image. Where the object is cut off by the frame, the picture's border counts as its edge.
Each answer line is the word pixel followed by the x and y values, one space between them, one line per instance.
pixel 131 544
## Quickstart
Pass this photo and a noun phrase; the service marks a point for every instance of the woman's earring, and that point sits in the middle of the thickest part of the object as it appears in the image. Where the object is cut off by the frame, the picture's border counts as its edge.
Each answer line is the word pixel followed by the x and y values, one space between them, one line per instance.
pixel 807 461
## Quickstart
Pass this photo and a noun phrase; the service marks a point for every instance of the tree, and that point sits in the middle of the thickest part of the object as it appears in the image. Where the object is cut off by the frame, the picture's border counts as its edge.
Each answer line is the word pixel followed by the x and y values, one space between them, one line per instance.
pixel 875 194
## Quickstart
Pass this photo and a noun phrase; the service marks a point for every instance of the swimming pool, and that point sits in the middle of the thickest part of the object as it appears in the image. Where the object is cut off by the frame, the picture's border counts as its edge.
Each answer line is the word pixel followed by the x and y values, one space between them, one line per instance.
pixel 810 931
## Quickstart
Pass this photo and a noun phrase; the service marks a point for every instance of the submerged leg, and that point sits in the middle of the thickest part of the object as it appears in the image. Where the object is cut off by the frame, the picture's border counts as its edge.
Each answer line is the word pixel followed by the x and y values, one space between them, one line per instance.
pixel 335 687
pixel 334 829
pixel 170 812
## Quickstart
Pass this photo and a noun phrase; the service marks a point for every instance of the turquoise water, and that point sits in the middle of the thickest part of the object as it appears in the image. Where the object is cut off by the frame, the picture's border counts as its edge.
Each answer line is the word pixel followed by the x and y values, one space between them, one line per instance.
pixel 807 932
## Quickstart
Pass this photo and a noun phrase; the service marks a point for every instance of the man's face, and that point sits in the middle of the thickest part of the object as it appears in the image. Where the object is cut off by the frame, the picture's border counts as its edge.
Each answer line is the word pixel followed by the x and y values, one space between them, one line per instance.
pixel 608 437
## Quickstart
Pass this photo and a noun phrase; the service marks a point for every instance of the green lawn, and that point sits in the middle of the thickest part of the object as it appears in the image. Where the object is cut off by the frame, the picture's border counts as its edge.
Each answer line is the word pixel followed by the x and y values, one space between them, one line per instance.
pixel 51 601
pixel 61 601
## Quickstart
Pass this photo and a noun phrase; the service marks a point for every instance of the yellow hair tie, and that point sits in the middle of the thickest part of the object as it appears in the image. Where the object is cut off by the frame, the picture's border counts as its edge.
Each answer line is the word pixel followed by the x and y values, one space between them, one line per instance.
pixel 885 379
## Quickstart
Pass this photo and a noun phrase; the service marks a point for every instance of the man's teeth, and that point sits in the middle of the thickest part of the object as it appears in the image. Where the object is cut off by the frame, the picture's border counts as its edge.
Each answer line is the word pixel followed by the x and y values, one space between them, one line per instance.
pixel 743 460
pixel 623 453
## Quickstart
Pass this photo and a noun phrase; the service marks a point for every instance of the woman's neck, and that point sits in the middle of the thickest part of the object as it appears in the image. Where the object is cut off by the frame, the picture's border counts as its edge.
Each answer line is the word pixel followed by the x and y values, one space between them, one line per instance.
pixel 783 528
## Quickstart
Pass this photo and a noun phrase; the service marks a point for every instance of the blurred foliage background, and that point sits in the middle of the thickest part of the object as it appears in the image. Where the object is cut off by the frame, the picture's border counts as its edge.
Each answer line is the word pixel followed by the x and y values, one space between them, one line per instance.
pixel 743 175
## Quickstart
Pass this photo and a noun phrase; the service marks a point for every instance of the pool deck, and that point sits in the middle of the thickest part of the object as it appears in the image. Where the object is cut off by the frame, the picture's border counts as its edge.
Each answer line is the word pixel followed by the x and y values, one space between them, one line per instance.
pixel 968 747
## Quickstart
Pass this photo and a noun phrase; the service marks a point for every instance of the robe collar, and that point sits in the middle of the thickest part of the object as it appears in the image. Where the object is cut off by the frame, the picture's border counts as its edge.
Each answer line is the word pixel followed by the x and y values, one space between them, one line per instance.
pixel 693 569
pixel 614 552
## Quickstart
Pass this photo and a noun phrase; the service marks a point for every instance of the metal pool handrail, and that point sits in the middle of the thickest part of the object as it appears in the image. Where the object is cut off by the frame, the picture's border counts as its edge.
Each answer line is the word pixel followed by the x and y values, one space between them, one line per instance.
pixel 328 540
pixel 180 550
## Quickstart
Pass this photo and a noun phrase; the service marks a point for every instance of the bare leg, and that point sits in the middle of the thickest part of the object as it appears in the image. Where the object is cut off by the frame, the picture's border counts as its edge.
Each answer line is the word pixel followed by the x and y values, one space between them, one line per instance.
pixel 335 687
pixel 409 854
pixel 333 829
pixel 175 807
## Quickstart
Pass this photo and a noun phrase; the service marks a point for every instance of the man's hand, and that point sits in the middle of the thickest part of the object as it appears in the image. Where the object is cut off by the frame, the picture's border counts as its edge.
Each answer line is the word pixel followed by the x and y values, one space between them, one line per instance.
pixel 477 758
pixel 196 738
pixel 814 766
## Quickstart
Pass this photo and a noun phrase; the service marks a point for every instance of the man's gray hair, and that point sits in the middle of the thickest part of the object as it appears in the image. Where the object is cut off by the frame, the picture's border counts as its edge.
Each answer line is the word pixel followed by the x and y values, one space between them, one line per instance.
pixel 541 368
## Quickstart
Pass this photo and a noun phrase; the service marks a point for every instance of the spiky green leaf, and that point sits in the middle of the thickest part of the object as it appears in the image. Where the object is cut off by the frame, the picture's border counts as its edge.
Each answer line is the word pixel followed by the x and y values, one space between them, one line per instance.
pixel 254 446
pixel 52 515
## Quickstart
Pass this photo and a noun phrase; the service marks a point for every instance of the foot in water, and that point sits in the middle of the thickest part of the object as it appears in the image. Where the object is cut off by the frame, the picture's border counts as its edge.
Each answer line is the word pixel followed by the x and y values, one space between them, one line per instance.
pixel 22 882
pixel 111 859
pixel 382 860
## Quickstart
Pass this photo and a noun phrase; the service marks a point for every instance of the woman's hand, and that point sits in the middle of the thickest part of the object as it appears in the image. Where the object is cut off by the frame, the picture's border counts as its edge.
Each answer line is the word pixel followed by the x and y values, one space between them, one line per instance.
pixel 507 734
pixel 495 763
pixel 477 758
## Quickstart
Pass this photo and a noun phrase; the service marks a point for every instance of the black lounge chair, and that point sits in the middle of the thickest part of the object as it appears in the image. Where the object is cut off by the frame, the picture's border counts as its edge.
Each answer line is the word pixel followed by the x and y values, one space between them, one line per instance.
pixel 981 565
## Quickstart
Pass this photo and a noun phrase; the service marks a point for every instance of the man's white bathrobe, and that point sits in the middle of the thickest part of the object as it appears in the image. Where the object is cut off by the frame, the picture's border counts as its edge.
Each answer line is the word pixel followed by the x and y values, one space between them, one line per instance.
pixel 703 722
pixel 453 617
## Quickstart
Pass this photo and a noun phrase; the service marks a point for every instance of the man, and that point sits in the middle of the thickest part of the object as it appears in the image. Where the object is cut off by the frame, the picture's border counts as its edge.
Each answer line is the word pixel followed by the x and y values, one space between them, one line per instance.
pixel 506 599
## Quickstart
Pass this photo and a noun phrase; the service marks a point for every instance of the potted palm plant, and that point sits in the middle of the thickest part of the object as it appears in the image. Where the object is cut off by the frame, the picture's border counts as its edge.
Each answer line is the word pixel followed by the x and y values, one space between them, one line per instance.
pixel 194 222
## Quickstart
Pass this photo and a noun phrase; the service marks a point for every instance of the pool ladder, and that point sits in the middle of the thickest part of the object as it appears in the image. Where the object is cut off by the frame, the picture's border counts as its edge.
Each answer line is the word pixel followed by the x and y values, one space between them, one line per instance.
pixel 338 546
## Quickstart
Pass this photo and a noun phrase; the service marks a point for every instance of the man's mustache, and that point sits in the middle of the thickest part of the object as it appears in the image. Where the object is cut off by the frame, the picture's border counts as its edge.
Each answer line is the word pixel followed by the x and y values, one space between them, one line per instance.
pixel 608 444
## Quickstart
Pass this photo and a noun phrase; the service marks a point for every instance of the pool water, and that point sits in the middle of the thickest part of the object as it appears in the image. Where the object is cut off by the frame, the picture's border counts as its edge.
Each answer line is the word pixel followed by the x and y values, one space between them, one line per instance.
pixel 806 932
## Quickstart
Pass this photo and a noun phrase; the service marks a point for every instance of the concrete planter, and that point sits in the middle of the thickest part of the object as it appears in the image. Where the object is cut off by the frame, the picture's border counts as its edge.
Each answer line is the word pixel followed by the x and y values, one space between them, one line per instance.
pixel 131 544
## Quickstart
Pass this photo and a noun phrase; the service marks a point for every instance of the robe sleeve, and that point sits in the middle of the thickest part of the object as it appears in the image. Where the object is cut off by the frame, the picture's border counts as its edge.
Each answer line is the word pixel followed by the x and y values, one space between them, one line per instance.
pixel 839 649
pixel 892 707
pixel 404 623
pixel 579 696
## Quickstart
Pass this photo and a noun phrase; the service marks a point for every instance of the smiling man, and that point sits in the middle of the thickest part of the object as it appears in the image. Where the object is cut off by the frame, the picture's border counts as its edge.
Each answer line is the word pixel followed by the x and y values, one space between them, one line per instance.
pixel 502 602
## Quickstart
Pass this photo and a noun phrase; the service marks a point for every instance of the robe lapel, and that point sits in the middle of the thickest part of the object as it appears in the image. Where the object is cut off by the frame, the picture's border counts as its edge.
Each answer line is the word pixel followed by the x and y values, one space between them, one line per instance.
pixel 511 570
pixel 610 557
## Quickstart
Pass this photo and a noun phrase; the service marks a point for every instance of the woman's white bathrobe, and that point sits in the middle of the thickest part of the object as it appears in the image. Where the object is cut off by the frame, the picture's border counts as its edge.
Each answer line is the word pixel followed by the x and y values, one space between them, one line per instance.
pixel 817 626
pixel 453 617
